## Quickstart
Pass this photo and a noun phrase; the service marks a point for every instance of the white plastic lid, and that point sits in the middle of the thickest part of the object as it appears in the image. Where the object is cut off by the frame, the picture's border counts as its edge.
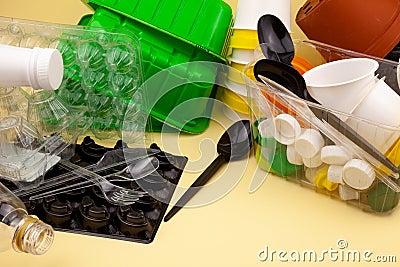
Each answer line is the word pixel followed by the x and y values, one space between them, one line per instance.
pixel 287 129
pixel 313 162
pixel 358 174
pixel 335 155
pixel 292 156
pixel 335 174
pixel 49 70
pixel 310 174
pixel 266 128
pixel 347 193
pixel 309 143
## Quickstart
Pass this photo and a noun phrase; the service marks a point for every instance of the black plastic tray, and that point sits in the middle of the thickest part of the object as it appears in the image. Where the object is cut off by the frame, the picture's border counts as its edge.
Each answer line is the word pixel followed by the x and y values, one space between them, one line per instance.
pixel 85 211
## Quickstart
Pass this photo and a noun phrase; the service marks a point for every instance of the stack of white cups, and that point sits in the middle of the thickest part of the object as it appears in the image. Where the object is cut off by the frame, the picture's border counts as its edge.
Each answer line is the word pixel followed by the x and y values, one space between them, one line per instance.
pixel 243 42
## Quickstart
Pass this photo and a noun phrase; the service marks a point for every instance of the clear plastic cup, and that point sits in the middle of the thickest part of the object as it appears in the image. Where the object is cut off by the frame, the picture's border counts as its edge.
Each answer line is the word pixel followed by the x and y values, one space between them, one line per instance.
pixel 20 142
pixel 47 112
pixel 13 101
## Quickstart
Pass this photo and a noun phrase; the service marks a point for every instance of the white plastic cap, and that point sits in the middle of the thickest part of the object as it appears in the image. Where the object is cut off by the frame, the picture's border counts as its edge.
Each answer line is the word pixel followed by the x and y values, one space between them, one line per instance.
pixel 358 174
pixel 266 128
pixel 49 70
pixel 346 193
pixel 335 174
pixel 310 174
pixel 313 162
pixel 335 155
pixel 287 129
pixel 309 143
pixel 292 156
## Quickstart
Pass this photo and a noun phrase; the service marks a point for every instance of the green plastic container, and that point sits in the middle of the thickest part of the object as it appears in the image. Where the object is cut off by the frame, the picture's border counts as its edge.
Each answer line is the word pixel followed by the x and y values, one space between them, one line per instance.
pixel 173 32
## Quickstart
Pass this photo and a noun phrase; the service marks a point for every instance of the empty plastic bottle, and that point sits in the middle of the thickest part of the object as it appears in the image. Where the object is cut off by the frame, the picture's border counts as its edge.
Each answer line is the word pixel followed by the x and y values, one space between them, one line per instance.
pixel 20 231
pixel 39 68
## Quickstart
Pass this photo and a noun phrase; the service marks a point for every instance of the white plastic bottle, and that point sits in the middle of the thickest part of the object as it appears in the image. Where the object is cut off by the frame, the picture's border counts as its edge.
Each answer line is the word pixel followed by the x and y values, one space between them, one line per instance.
pixel 20 231
pixel 39 68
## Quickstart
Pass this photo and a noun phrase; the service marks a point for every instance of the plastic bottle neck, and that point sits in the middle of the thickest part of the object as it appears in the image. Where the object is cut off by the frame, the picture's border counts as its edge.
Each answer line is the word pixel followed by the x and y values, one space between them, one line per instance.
pixel 32 236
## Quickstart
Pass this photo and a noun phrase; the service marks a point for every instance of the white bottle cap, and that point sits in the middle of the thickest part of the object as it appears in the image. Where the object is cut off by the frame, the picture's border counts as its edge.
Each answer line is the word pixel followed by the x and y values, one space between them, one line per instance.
pixel 309 143
pixel 292 156
pixel 358 174
pixel 313 162
pixel 335 174
pixel 266 128
pixel 287 129
pixel 49 70
pixel 335 155
pixel 346 193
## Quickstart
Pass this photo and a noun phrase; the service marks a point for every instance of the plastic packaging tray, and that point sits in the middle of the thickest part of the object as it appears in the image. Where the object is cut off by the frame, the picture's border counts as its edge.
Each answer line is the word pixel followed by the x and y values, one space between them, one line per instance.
pixel 268 101
pixel 102 69
pixel 173 32
pixel 85 211
pixel 99 91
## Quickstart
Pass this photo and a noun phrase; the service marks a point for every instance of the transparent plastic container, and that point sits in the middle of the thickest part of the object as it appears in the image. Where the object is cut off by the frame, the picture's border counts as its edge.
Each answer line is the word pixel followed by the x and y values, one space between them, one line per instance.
pixel 99 92
pixel 102 68
pixel 330 163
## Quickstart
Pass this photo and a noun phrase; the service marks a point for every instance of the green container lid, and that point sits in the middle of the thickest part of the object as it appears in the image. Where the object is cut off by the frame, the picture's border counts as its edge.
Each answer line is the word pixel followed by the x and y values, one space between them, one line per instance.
pixel 204 23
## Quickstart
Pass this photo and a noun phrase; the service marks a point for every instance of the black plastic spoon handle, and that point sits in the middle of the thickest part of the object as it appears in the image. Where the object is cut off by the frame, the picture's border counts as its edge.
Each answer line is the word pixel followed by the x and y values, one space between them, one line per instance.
pixel 196 186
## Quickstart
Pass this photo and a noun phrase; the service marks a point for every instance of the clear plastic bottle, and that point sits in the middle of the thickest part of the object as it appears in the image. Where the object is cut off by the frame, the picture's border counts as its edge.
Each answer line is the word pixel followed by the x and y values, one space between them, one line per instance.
pixel 20 231
pixel 39 68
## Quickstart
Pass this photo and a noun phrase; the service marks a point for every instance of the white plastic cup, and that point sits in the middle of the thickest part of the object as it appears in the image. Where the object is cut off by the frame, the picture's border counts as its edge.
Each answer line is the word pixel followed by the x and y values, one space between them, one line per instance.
pixel 381 106
pixel 248 12
pixel 242 55
pixel 342 84
pixel 39 68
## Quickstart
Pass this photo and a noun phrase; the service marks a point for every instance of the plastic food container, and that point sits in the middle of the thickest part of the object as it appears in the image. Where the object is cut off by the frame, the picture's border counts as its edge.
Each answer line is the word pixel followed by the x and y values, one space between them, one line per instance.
pixel 291 142
pixel 172 33
pixel 102 70
pixel 99 91
pixel 85 210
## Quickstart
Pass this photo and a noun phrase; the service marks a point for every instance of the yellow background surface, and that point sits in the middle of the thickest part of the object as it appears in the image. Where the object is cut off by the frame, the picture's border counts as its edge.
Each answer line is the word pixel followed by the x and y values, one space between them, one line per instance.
pixel 230 231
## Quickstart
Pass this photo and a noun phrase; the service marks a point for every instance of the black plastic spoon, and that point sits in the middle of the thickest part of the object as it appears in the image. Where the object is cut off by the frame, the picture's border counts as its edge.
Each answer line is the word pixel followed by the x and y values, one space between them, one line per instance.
pixel 234 144
pixel 293 81
pixel 279 45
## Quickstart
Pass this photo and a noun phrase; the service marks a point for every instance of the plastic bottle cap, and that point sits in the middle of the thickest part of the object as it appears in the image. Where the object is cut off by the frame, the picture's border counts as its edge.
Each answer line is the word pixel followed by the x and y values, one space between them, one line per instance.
pixel 309 143
pixel 310 174
pixel 335 155
pixel 50 69
pixel 321 180
pixel 313 162
pixel 358 174
pixel 346 193
pixel 335 174
pixel 287 129
pixel 292 156
pixel 266 128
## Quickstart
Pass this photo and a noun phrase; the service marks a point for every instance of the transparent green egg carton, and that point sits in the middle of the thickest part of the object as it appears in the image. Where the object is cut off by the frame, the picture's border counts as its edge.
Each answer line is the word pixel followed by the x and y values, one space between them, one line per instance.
pixel 102 71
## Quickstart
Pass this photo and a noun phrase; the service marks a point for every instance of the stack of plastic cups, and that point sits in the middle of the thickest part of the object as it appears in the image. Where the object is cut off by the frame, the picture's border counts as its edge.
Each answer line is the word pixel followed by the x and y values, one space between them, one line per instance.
pixel 243 42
